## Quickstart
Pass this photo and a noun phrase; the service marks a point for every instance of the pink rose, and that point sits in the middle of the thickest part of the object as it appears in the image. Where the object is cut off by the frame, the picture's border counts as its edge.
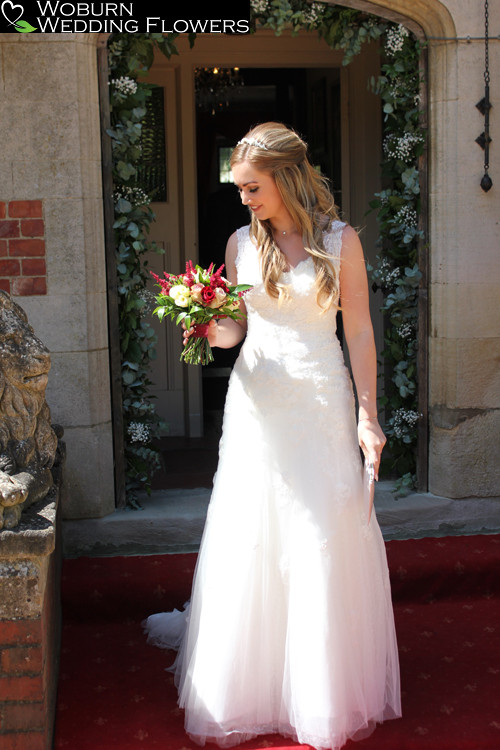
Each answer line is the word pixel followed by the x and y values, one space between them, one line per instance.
pixel 196 291
pixel 220 297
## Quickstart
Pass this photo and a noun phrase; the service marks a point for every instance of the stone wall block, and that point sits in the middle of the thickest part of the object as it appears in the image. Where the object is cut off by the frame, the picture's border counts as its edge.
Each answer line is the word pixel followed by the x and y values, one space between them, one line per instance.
pixel 35 73
pixel 65 235
pixel 95 265
pixel 56 177
pixel 86 85
pixel 443 371
pixel 49 133
pixel 22 587
pixel 15 139
pixel 71 322
pixel 78 388
pixel 462 463
pixel 470 255
pixel 464 311
pixel 89 478
pixel 478 373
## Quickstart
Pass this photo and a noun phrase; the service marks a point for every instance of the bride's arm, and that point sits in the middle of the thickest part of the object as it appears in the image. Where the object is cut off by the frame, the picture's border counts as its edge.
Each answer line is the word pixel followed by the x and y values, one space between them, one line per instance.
pixel 227 332
pixel 358 332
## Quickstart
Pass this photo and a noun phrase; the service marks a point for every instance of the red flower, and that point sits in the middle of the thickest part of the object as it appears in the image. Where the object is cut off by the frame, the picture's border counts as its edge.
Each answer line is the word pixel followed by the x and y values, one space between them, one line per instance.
pixel 216 280
pixel 164 283
pixel 207 295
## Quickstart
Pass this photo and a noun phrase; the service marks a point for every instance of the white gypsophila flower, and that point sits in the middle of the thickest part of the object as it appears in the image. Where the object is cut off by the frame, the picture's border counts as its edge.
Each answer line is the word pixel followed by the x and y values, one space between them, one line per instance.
pixel 395 39
pixel 313 13
pixel 402 147
pixel 387 275
pixel 138 432
pixel 407 216
pixel 404 419
pixel 149 301
pixel 135 195
pixel 405 330
pixel 400 87
pixel 258 6
pixel 124 85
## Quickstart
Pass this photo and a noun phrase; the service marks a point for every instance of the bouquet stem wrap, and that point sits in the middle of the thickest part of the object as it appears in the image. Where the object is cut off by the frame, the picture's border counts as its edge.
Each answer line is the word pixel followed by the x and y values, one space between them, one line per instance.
pixel 197 350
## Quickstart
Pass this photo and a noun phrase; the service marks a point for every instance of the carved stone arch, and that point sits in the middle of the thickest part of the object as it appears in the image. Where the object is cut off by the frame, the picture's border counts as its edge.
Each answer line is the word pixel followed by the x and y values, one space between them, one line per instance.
pixel 426 18
pixel 429 18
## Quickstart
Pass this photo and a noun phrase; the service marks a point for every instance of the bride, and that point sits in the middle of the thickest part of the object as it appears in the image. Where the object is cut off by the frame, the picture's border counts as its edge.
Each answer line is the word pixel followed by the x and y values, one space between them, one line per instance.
pixel 290 626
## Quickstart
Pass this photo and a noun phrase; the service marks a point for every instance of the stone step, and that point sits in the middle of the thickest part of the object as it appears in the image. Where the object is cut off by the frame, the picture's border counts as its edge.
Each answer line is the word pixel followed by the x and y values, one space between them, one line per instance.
pixel 172 521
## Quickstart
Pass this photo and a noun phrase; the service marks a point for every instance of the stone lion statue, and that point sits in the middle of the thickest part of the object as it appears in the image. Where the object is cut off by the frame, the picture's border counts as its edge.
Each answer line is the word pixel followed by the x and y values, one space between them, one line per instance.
pixel 28 443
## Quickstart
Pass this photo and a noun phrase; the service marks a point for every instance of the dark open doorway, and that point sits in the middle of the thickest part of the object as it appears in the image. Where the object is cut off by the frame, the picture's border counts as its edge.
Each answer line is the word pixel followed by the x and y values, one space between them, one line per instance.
pixel 307 100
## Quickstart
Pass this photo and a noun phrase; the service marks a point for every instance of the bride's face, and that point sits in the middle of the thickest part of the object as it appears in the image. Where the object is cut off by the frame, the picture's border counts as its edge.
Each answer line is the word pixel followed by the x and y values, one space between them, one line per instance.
pixel 258 191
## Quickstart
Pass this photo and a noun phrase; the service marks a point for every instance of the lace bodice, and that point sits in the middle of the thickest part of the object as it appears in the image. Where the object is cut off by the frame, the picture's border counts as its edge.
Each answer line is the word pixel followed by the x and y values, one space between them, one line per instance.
pixel 296 327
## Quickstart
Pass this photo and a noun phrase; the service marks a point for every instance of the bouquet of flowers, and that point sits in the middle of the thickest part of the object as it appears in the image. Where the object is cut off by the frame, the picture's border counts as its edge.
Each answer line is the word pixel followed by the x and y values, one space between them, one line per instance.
pixel 194 298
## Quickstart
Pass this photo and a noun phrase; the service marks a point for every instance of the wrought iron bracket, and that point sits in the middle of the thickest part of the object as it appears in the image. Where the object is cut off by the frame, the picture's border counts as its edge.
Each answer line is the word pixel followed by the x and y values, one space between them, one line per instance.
pixel 484 107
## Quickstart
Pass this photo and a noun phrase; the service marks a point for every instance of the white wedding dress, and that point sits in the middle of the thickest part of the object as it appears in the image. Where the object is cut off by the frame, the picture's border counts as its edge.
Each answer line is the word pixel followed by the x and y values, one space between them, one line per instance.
pixel 290 626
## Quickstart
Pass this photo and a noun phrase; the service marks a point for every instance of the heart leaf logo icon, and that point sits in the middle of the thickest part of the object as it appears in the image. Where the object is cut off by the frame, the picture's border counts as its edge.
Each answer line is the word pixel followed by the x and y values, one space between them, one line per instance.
pixel 12 13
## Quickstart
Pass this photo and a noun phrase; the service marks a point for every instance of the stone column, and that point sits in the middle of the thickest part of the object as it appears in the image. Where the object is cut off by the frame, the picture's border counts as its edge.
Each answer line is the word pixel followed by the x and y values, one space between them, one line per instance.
pixel 51 154
pixel 465 270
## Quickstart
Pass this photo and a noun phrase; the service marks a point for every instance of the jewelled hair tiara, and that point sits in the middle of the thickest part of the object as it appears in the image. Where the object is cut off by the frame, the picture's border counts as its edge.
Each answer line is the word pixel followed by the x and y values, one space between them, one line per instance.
pixel 253 142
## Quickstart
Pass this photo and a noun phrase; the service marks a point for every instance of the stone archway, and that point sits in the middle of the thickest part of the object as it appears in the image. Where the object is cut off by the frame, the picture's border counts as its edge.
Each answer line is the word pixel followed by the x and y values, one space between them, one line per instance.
pixel 432 21
pixel 411 17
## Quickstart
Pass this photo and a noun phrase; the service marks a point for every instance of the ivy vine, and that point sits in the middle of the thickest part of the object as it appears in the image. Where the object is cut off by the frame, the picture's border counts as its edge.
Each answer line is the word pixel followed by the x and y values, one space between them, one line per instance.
pixel 398 208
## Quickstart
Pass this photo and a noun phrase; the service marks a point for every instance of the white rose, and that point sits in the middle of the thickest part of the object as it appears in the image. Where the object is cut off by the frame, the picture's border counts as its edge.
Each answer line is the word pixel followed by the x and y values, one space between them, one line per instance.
pixel 181 294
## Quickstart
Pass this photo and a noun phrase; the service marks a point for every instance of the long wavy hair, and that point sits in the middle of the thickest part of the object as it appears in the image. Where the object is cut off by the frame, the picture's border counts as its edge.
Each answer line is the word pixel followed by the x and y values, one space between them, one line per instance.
pixel 273 148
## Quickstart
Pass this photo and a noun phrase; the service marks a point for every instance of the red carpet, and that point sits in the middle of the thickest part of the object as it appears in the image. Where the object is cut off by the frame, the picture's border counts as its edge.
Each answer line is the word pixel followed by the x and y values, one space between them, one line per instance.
pixel 114 691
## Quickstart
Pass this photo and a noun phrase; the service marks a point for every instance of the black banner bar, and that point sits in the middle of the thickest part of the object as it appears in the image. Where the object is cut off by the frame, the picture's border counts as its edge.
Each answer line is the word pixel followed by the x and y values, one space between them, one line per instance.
pixel 136 17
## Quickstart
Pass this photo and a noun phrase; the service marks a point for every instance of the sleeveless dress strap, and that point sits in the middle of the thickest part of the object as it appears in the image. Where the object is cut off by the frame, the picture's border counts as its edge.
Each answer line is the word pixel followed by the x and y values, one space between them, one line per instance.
pixel 247 258
pixel 243 237
pixel 333 238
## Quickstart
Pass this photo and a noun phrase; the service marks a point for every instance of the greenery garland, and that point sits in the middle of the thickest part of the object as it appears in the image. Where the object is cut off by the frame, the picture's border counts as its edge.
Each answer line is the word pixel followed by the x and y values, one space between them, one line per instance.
pixel 396 272
pixel 398 207
pixel 129 57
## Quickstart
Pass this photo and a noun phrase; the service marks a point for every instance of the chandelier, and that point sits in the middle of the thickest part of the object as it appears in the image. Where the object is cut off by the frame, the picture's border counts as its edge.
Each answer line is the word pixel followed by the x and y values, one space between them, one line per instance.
pixel 214 87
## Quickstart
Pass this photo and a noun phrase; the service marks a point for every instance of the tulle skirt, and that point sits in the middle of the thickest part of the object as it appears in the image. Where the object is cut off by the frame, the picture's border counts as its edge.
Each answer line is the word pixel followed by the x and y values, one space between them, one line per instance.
pixel 290 626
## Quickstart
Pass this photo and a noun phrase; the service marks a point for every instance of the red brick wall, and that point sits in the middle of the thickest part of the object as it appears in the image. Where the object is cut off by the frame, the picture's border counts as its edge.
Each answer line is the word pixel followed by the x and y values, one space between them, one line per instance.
pixel 22 248
pixel 29 659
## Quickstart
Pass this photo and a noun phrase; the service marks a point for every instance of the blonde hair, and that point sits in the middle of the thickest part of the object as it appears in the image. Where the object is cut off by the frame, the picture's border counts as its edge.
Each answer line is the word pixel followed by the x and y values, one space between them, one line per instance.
pixel 277 150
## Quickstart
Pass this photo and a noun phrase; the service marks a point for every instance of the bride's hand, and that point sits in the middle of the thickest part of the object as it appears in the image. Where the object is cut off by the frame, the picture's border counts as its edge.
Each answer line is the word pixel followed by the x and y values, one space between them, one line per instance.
pixel 212 333
pixel 371 440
